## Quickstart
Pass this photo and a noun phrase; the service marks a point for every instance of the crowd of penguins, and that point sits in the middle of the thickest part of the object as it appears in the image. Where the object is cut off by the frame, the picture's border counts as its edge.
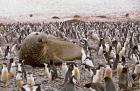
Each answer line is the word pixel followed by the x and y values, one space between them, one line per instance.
pixel 118 43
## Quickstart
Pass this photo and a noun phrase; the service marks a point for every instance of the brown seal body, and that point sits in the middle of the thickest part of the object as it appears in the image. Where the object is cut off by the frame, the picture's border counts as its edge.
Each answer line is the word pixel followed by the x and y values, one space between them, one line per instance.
pixel 39 48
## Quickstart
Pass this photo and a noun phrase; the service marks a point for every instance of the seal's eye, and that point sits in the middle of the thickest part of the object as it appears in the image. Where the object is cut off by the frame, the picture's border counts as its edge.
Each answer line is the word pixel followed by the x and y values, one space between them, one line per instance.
pixel 36 33
pixel 40 40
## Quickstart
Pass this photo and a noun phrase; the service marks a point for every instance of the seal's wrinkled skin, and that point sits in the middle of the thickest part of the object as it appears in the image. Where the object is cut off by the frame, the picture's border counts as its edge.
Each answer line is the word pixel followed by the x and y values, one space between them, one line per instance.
pixel 38 48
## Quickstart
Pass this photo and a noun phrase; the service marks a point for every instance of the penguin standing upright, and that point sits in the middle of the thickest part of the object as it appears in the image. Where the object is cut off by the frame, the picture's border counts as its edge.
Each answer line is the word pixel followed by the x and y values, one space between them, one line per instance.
pixel 69 73
pixel 7 50
pixel 76 73
pixel 22 68
pixel 13 49
pixel 137 71
pixel 119 69
pixel 97 77
pixel 83 55
pixel 47 71
pixel 100 52
pixel 4 75
pixel 123 79
pixel 64 69
pixel 19 80
pixel 19 68
pixel 13 69
pixel 53 70
pixel 30 79
pixel 108 71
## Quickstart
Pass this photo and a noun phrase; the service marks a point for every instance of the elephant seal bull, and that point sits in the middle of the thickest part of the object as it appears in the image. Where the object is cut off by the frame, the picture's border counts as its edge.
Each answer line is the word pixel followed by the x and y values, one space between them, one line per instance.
pixel 38 48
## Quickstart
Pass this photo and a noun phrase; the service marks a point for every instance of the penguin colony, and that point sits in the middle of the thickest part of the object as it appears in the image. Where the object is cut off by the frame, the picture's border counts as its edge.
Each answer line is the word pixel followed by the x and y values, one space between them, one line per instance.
pixel 111 50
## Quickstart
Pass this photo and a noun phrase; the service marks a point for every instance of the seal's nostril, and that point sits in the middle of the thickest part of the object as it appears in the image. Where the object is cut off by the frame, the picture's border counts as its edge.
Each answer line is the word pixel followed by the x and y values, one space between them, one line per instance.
pixel 39 40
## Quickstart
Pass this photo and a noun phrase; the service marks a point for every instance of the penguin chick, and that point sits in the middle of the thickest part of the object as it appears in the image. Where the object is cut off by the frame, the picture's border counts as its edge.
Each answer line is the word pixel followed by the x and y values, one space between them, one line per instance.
pixel 64 69
pixel 30 79
pixel 49 75
pixel 109 85
pixel 4 75
pixel 108 71
pixel 19 80
pixel 119 69
pixel 76 73
pixel 13 69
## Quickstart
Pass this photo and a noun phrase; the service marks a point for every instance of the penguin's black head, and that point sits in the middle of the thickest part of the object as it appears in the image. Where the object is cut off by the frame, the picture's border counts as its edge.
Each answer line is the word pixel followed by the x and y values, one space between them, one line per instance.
pixel 100 65
pixel 5 64
pixel 11 60
pixel 71 66
pixel 123 59
pixel 124 70
pixel 107 79
pixel 137 63
pixel 88 85
pixel 8 47
pixel 117 56
pixel 135 47
pixel 134 76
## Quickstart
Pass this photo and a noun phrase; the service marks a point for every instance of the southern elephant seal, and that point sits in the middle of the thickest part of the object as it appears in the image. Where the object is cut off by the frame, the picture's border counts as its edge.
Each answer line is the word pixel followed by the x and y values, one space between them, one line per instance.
pixel 38 48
